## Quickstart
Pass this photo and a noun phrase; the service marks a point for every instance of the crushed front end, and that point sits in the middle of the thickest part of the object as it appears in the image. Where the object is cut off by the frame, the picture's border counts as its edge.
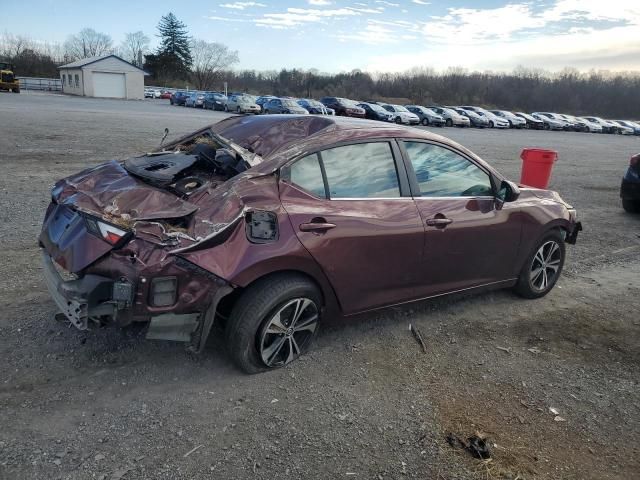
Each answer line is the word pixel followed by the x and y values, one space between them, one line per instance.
pixel 112 239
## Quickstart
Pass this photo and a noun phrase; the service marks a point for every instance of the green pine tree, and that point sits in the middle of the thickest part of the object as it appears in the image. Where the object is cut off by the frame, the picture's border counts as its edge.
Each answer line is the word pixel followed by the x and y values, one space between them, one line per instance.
pixel 173 55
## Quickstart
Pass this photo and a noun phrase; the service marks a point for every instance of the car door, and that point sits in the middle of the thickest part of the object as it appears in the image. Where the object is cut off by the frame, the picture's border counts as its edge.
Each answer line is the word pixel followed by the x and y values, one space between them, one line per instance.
pixel 351 208
pixel 470 238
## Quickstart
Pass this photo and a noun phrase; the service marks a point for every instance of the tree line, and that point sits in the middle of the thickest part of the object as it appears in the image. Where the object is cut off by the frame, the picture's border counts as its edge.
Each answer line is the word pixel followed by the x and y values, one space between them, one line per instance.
pixel 180 60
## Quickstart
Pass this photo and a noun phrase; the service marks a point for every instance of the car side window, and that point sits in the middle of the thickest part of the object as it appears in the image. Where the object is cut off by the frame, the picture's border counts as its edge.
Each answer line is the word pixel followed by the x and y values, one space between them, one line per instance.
pixel 444 173
pixel 363 170
pixel 307 174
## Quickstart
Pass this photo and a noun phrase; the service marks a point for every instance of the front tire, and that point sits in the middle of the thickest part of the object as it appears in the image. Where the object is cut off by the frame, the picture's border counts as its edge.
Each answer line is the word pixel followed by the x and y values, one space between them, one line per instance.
pixel 449 122
pixel 425 122
pixel 631 206
pixel 398 120
pixel 491 125
pixel 543 266
pixel 273 322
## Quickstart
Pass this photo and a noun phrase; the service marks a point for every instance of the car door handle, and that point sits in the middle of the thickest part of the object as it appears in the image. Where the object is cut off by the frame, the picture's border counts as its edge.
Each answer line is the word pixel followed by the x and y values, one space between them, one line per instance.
pixel 316 226
pixel 438 222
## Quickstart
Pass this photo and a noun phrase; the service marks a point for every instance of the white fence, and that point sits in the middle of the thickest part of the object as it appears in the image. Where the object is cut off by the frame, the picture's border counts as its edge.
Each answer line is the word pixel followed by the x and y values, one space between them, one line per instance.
pixel 46 84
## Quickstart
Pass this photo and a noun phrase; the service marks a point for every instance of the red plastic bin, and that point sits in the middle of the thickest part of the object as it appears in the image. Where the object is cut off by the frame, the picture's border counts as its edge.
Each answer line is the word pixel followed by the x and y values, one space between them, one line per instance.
pixel 537 165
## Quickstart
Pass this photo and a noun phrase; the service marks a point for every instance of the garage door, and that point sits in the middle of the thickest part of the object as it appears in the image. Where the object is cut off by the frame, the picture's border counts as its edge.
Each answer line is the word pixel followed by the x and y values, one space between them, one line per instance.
pixel 111 85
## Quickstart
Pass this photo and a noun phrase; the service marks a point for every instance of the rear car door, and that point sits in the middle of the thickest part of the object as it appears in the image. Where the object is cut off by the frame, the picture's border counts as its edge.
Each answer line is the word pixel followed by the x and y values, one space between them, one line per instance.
pixel 470 238
pixel 352 209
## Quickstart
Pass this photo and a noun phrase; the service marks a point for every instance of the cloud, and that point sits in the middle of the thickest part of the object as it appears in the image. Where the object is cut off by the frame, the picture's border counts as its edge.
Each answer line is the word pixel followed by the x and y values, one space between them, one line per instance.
pixel 226 19
pixel 421 2
pixel 590 10
pixel 319 3
pixel 242 5
pixel 372 34
pixel 471 25
pixel 613 48
pixel 294 17
pixel 388 4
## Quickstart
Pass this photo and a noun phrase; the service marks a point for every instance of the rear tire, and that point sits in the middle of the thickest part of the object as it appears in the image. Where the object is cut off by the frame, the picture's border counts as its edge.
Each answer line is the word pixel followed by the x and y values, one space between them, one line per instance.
pixel 261 333
pixel 449 122
pixel 631 206
pixel 425 122
pixel 491 125
pixel 398 120
pixel 543 266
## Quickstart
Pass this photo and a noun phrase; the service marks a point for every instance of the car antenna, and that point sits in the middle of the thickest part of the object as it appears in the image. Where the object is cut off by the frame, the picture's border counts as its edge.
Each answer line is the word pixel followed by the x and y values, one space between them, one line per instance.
pixel 166 132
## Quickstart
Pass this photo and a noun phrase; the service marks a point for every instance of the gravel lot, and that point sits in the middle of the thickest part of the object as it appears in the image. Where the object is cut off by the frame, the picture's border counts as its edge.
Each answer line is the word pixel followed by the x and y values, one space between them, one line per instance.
pixel 366 402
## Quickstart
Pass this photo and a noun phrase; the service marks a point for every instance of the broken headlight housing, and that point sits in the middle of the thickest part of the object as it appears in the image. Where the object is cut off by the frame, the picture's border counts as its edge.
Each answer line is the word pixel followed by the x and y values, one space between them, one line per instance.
pixel 107 232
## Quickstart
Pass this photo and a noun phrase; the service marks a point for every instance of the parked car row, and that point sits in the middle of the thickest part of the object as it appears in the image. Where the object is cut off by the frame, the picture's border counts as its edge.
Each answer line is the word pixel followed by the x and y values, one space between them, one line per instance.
pixel 430 115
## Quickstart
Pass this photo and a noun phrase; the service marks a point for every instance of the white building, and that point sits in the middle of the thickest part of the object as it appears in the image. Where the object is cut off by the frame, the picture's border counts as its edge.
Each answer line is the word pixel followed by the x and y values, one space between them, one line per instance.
pixel 108 76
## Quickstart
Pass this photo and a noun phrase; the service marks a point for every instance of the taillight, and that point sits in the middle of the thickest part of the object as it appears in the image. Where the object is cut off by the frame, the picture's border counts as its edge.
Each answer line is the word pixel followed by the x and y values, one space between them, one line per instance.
pixel 109 233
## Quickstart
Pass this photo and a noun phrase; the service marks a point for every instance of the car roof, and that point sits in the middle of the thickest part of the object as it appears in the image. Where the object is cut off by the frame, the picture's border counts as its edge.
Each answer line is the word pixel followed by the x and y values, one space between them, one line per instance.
pixel 269 135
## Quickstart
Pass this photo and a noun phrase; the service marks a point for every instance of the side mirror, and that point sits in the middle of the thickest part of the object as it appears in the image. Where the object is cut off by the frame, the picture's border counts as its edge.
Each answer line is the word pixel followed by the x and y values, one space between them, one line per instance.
pixel 508 192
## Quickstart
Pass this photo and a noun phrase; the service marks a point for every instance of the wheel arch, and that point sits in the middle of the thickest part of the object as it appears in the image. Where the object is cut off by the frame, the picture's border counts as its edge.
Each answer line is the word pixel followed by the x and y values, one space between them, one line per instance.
pixel 306 268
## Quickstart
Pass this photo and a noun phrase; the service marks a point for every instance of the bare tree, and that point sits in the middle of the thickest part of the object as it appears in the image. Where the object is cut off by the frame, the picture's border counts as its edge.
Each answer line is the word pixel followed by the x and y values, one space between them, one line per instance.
pixel 87 43
pixel 209 59
pixel 134 47
pixel 13 45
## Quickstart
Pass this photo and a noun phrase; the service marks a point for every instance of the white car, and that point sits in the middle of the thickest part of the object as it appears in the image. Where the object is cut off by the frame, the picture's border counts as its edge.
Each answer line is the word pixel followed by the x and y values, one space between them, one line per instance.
pixel 622 128
pixel 630 124
pixel 551 122
pixel 148 93
pixel 402 115
pixel 451 117
pixel 514 121
pixel 494 120
pixel 591 127
pixel 607 127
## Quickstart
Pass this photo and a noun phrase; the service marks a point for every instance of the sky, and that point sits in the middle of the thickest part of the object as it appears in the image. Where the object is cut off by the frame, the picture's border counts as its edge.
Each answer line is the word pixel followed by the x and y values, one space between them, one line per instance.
pixel 377 36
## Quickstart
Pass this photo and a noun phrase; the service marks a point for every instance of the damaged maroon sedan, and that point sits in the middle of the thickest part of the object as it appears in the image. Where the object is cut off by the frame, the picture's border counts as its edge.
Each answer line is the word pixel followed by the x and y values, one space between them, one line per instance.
pixel 269 224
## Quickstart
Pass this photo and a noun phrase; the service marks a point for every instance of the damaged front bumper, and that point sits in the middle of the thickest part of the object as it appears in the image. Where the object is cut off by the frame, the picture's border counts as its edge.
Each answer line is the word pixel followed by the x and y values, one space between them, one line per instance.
pixel 94 299
pixel 91 296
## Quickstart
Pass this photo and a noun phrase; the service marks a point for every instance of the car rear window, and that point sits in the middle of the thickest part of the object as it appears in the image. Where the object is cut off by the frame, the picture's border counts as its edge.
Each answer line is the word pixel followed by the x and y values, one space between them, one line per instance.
pixel 364 170
pixel 344 167
pixel 441 172
pixel 307 174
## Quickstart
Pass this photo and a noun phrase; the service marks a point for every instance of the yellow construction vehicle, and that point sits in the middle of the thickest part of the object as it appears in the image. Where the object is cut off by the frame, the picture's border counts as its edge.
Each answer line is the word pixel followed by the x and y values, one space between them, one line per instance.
pixel 7 79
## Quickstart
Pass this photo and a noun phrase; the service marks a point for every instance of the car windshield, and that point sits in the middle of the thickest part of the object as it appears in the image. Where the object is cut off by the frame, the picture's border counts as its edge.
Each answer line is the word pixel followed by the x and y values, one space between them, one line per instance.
pixel 314 103
pixel 377 108
pixel 400 108
pixel 347 103
pixel 289 103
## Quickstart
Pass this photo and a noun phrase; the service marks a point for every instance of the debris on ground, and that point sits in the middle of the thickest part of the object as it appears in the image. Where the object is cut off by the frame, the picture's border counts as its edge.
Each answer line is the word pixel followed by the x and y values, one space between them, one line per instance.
pixel 193 450
pixel 477 445
pixel 505 349
pixel 418 336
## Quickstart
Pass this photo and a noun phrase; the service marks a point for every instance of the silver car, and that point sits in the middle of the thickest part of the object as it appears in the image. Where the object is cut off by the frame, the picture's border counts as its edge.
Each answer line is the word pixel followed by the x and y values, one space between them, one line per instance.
pixel 451 117
pixel 512 118
pixel 242 104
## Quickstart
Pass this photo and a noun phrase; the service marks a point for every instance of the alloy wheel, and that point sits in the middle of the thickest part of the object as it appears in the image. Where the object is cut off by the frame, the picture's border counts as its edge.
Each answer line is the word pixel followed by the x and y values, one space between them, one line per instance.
pixel 545 265
pixel 288 332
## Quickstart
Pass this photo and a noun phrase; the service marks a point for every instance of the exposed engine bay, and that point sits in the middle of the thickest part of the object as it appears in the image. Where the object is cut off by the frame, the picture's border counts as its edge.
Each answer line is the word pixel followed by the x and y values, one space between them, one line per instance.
pixel 201 163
